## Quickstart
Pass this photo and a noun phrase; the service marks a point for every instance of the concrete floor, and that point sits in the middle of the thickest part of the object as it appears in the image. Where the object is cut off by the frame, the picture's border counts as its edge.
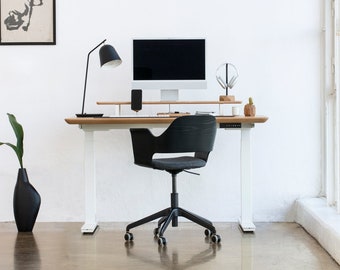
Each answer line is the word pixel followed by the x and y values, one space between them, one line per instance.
pixel 62 246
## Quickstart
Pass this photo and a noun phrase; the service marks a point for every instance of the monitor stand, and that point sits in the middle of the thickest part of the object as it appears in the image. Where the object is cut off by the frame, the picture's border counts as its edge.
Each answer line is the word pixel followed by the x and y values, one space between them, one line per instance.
pixel 169 94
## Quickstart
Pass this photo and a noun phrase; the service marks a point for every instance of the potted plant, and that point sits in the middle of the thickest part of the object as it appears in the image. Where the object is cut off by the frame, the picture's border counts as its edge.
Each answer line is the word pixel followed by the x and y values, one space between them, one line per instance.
pixel 26 200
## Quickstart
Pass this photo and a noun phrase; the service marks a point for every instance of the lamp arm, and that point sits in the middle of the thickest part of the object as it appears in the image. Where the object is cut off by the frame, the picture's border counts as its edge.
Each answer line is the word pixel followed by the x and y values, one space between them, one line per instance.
pixel 87 68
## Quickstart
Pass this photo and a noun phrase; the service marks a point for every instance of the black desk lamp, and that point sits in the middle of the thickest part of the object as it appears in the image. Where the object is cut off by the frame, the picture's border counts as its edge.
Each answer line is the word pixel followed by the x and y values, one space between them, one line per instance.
pixel 109 58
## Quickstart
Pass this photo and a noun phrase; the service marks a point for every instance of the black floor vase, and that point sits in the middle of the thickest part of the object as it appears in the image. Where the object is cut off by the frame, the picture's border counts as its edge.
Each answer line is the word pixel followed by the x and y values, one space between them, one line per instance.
pixel 26 203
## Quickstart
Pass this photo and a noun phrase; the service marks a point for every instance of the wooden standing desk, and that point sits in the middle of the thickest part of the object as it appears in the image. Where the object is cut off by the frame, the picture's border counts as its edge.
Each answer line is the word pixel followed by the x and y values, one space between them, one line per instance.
pixel 91 125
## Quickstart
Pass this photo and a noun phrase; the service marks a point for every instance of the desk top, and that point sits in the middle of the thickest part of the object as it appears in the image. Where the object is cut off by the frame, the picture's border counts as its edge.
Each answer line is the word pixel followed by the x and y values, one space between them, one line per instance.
pixel 158 120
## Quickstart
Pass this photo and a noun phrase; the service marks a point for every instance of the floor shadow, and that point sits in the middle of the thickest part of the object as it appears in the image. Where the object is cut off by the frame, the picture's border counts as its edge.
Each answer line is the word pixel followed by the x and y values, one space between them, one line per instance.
pixel 26 252
pixel 170 259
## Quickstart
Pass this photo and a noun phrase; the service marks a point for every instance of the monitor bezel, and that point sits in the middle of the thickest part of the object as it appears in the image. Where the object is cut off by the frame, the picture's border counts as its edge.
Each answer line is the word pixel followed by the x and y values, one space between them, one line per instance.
pixel 175 84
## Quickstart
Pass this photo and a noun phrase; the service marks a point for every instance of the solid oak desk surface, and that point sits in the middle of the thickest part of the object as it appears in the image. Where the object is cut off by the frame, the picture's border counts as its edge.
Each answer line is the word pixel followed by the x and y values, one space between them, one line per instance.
pixel 158 120
pixel 90 125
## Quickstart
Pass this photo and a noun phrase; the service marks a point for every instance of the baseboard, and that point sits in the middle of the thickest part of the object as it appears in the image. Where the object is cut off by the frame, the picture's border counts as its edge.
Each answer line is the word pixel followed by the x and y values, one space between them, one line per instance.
pixel 322 222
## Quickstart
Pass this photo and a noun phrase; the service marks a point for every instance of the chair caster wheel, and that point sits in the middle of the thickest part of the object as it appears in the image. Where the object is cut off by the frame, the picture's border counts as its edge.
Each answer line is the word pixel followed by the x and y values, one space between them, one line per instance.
pixel 155 231
pixel 161 241
pixel 207 232
pixel 128 236
pixel 216 238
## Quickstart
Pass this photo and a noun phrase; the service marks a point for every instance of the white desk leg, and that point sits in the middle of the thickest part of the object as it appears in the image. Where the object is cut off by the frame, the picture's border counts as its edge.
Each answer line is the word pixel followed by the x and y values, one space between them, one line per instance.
pixel 90 184
pixel 246 221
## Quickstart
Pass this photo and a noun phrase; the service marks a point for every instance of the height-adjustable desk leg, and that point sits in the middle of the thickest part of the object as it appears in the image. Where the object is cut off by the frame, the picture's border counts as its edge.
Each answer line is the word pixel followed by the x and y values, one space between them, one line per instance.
pixel 90 224
pixel 246 220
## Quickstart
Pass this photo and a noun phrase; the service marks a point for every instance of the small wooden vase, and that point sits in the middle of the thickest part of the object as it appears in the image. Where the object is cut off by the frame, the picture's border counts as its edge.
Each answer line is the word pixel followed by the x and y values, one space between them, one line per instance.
pixel 250 109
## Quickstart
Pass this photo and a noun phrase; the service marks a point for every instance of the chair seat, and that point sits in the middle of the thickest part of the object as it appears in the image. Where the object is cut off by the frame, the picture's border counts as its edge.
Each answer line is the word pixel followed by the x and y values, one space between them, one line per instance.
pixel 177 163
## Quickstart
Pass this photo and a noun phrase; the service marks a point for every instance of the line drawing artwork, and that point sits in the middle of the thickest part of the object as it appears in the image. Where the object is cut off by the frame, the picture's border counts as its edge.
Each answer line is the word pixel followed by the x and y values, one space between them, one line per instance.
pixel 17 19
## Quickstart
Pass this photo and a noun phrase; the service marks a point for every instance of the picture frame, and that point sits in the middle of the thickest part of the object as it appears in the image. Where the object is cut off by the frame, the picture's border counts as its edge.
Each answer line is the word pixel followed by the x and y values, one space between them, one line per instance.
pixel 27 22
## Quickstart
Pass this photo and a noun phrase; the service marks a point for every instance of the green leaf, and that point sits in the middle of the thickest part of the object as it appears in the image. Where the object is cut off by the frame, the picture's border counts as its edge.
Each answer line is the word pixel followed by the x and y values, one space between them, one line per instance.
pixel 19 133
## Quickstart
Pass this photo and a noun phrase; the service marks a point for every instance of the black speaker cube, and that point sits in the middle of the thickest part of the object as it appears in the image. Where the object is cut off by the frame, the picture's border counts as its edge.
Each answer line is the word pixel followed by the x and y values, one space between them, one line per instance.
pixel 136 99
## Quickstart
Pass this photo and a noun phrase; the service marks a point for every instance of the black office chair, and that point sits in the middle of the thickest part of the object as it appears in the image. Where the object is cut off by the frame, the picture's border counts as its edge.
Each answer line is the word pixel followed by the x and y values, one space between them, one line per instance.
pixel 193 133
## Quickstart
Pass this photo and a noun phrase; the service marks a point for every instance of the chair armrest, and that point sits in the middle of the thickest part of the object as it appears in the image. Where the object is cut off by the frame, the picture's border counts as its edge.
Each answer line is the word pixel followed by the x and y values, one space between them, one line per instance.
pixel 143 146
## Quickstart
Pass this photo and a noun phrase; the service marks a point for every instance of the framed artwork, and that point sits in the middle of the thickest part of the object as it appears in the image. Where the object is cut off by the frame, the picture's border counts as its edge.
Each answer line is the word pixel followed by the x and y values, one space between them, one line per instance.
pixel 27 22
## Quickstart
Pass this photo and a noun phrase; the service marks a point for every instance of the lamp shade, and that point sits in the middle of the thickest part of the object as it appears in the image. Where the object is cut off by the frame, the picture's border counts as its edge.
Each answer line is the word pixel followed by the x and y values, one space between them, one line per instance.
pixel 109 58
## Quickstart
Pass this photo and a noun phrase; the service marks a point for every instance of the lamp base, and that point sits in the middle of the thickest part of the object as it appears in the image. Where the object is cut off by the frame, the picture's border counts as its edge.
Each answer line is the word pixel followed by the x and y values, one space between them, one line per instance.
pixel 94 115
pixel 227 98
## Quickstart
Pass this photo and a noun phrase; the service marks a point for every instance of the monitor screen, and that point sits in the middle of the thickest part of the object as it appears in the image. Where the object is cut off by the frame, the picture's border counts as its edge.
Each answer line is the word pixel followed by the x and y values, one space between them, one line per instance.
pixel 169 64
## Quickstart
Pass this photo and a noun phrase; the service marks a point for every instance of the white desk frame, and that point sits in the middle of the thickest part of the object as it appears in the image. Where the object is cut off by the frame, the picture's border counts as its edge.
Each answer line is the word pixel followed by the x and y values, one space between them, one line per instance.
pixel 90 225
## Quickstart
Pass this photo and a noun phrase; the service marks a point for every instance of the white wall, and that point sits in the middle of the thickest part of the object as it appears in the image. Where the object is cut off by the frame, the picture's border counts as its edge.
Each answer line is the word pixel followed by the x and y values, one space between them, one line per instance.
pixel 274 44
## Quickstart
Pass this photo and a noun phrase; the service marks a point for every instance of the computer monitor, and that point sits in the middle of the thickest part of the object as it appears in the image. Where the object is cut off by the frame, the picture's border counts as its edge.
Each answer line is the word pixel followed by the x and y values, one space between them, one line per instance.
pixel 169 65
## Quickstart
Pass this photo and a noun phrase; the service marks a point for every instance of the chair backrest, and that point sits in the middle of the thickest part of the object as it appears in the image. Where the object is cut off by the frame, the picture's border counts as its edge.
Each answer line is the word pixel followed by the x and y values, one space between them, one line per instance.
pixel 192 133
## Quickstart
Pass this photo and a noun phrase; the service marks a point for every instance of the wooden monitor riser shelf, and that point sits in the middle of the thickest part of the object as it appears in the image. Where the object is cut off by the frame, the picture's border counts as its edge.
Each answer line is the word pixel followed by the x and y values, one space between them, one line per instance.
pixel 167 102
pixel 119 104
